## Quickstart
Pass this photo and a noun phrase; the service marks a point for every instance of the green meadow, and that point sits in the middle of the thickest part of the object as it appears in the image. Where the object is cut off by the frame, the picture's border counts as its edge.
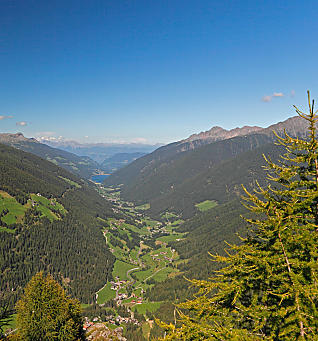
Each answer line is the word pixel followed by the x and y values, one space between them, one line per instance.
pixel 16 210
pixel 121 268
pixel 146 307
pixel 206 205
pixel 106 294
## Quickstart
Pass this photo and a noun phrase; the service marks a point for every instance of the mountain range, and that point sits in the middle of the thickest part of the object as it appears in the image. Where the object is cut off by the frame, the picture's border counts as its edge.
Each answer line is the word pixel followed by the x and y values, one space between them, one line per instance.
pixel 99 152
pixel 80 165
pixel 177 176
pixel 293 126
pixel 119 160
pixel 184 177
pixel 75 157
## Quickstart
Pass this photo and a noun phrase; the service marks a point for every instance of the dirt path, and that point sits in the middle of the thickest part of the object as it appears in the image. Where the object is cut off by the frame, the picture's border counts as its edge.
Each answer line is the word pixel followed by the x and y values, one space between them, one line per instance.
pixel 128 273
pixel 150 276
pixel 153 274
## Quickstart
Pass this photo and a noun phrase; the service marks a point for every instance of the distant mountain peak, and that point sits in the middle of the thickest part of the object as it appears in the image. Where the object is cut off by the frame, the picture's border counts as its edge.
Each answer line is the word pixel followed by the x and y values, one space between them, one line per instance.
pixel 15 137
pixel 218 133
pixel 293 126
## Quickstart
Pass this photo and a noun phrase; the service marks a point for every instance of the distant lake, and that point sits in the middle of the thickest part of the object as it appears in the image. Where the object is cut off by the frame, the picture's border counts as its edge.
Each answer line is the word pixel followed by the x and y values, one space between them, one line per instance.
pixel 99 178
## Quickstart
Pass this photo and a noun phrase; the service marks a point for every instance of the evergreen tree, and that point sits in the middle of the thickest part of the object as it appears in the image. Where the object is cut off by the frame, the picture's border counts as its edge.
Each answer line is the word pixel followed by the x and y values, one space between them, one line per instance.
pixel 268 287
pixel 5 314
pixel 45 312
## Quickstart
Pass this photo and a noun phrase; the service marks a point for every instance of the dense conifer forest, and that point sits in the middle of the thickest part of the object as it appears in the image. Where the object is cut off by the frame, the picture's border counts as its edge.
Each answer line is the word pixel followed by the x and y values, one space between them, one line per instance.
pixel 70 247
pixel 159 173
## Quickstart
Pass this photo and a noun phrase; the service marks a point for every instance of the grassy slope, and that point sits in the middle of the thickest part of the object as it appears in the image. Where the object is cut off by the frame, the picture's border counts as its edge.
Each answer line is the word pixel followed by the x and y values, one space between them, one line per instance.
pixel 106 294
pixel 205 205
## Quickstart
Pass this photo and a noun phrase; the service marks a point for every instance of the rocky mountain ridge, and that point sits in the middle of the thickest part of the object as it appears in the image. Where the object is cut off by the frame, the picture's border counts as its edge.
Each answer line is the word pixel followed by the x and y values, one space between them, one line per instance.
pixel 293 126
pixel 218 133
pixel 15 137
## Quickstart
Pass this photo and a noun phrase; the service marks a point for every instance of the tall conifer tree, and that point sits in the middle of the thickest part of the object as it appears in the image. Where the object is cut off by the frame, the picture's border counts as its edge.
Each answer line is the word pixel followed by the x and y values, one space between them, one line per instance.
pixel 44 312
pixel 268 288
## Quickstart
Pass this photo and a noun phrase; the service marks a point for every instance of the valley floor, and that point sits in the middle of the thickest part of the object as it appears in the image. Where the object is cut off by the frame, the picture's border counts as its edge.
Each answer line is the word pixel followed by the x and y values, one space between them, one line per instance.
pixel 143 258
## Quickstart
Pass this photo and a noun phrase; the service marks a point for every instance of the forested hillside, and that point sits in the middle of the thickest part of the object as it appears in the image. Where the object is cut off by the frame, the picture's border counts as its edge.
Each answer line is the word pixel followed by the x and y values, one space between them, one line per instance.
pixel 220 183
pixel 119 160
pixel 50 220
pixel 207 232
pixel 79 165
pixel 165 173
pixel 156 174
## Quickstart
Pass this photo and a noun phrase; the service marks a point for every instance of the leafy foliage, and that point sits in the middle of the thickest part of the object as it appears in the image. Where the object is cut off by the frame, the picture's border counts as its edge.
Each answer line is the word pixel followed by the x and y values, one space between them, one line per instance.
pixel 268 287
pixel 44 312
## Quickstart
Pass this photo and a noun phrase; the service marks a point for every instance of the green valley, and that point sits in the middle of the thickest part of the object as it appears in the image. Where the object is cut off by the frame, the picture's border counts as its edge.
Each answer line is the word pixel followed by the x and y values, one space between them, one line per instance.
pixel 127 249
pixel 144 258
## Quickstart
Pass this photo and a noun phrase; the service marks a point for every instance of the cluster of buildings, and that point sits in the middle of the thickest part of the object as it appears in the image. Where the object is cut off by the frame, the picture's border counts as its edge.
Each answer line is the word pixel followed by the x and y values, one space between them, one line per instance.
pixel 120 320
pixel 110 319
pixel 156 257
pixel 116 320
pixel 118 284
pixel 120 297
pixel 117 223
pixel 137 300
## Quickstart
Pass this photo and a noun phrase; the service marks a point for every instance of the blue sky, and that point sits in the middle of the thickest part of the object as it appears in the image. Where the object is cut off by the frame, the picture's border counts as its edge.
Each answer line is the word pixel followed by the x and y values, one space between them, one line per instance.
pixel 152 70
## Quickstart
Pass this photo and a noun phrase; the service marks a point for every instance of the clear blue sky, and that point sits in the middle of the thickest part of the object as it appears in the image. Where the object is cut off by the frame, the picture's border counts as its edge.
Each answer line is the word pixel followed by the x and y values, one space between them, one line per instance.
pixel 152 70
